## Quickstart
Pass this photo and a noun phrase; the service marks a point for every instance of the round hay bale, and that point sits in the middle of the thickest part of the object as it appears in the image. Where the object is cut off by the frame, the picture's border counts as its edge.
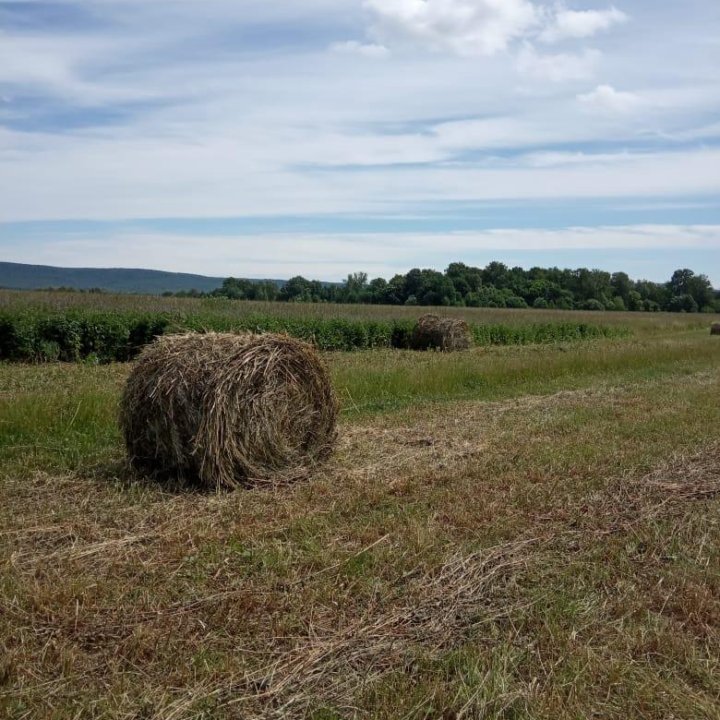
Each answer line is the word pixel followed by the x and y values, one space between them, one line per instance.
pixel 715 329
pixel 438 333
pixel 225 410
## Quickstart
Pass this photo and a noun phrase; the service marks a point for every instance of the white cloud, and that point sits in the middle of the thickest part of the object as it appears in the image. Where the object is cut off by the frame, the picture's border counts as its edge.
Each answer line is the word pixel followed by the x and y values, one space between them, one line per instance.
pixel 353 47
pixel 568 24
pixel 562 67
pixel 65 67
pixel 559 159
pixel 483 27
pixel 606 98
pixel 464 27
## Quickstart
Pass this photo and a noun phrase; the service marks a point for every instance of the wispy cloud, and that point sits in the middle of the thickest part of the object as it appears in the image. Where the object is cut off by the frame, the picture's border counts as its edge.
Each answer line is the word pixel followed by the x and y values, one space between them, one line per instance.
pixel 353 47
pixel 558 67
pixel 134 178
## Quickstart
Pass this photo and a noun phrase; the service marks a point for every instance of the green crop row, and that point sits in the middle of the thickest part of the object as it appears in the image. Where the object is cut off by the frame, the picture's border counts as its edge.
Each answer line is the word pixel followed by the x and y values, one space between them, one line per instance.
pixel 75 335
pixel 543 333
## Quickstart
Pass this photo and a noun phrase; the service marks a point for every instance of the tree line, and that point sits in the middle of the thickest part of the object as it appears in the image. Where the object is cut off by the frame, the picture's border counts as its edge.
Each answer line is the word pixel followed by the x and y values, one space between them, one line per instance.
pixel 495 285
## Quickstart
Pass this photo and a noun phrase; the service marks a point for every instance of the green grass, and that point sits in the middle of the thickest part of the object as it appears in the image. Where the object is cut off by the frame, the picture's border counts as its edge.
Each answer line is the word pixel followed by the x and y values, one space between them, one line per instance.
pixel 385 381
pixel 63 416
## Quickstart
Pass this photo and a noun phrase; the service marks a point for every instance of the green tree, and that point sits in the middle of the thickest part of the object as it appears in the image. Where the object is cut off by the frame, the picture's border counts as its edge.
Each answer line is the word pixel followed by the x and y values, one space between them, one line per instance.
pixel 680 282
pixel 495 274
pixel 683 303
pixel 622 286
pixel 354 287
pixel 701 289
pixel 296 289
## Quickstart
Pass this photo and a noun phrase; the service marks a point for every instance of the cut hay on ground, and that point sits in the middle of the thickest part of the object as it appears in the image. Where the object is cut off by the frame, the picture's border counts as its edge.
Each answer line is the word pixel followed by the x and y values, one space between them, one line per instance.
pixel 225 410
pixel 715 329
pixel 437 333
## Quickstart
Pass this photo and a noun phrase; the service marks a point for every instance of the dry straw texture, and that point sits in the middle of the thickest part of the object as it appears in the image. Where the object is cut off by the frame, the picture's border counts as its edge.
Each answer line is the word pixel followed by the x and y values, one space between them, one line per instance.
pixel 715 329
pixel 225 410
pixel 438 333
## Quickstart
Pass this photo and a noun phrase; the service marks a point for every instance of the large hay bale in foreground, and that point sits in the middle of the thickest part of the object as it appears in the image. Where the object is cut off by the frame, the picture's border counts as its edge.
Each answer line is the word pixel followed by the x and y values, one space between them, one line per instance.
pixel 225 410
pixel 446 334
pixel 715 329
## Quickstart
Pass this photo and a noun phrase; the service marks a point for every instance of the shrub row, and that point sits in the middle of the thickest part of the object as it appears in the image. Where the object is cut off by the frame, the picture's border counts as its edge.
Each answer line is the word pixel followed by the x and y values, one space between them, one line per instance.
pixel 32 336
pixel 76 336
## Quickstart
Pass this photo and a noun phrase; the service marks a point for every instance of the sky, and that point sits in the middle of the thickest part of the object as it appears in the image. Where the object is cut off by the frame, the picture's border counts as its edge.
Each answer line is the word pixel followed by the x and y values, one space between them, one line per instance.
pixel 322 137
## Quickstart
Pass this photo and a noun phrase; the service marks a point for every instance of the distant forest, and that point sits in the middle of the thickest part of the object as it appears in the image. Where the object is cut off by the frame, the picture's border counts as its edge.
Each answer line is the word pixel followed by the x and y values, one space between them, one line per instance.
pixel 495 286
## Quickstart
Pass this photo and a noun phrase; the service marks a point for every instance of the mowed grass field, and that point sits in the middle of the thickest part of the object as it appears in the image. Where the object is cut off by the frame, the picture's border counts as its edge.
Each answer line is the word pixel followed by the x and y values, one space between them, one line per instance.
pixel 512 532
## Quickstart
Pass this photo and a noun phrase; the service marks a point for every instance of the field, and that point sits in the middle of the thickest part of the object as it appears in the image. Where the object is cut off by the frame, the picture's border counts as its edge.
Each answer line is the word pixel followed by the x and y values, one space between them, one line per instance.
pixel 520 532
pixel 231 309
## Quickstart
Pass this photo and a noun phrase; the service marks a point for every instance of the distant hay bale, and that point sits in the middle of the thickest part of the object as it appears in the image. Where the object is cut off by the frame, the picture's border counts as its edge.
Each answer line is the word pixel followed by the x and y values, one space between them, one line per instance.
pixel 715 329
pixel 446 334
pixel 225 410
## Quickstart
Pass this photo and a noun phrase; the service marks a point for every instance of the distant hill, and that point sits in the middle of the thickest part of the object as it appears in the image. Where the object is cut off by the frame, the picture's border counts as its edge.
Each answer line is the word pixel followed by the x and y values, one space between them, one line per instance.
pixel 153 282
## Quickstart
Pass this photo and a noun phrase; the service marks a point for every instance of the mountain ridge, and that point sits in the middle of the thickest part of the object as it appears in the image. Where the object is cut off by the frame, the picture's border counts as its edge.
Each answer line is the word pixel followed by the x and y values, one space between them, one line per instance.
pixel 22 276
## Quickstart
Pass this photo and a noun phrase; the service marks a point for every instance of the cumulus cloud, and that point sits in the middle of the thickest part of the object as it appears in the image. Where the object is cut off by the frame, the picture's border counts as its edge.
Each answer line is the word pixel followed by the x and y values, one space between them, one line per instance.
pixel 606 98
pixel 561 67
pixel 464 27
pixel 483 27
pixel 567 24
pixel 353 47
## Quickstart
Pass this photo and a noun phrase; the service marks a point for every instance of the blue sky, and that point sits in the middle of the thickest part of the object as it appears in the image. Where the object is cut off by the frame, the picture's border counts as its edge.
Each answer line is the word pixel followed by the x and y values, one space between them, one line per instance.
pixel 321 137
